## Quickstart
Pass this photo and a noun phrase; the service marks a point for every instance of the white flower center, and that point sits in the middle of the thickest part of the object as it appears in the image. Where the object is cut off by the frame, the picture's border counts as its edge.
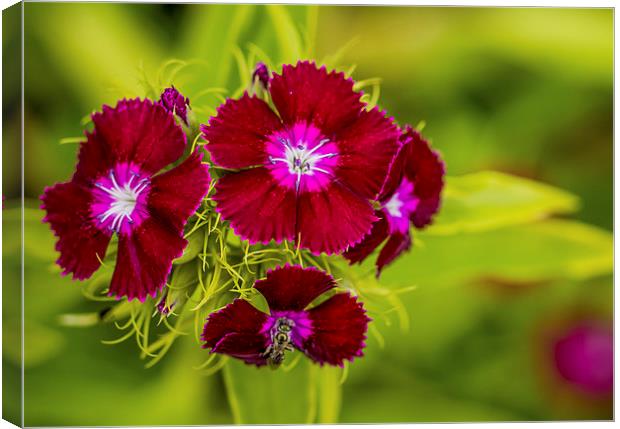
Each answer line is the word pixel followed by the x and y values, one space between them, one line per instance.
pixel 394 205
pixel 124 199
pixel 301 160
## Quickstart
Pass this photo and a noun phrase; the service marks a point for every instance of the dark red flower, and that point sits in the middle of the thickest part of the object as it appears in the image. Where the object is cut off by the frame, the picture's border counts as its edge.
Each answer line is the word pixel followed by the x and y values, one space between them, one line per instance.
pixel 308 171
pixel 261 74
pixel 116 189
pixel 330 332
pixel 411 194
pixel 175 102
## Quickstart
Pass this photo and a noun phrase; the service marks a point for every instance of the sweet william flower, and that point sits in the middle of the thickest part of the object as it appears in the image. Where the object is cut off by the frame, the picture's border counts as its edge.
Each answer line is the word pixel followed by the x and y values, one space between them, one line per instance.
pixel 306 171
pixel 175 102
pixel 328 333
pixel 116 189
pixel 411 195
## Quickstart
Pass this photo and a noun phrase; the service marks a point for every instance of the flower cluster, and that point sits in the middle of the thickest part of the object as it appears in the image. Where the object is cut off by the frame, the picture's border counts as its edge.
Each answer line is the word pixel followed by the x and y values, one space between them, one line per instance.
pixel 305 160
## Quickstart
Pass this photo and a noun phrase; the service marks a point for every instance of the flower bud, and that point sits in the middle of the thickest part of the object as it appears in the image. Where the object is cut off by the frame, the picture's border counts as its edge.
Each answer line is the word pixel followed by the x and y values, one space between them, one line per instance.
pixel 261 73
pixel 175 102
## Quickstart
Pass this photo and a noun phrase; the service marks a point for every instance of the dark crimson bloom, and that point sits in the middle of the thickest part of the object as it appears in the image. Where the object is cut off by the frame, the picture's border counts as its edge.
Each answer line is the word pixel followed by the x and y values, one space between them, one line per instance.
pixel 261 73
pixel 174 102
pixel 116 189
pixel 331 332
pixel 308 171
pixel 584 356
pixel 410 194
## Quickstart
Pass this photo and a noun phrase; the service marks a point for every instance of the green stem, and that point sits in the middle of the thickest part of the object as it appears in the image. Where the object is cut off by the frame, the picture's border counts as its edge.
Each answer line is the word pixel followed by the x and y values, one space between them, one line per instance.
pixel 233 400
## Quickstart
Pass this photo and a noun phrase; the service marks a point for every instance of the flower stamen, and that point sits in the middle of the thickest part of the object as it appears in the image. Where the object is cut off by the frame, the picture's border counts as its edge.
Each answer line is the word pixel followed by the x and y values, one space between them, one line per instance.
pixel 114 207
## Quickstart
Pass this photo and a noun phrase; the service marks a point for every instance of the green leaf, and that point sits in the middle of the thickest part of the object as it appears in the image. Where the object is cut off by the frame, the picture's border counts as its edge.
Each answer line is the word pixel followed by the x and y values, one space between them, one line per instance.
pixel 194 246
pixel 490 200
pixel 297 394
pixel 329 394
pixel 312 17
pixel 552 249
pixel 289 40
pixel 210 34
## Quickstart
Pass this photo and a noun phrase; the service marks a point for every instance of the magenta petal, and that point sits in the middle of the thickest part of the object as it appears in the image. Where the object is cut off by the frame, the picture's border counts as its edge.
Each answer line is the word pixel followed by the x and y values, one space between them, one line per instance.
pixel 94 159
pixel 257 207
pixel 145 259
pixel 136 131
pixel 239 316
pixel 248 347
pixel 367 148
pixel 396 244
pixel 331 220
pixel 307 94
pixel 235 330
pixel 237 134
pixel 176 194
pixel 81 245
pixel 293 287
pixel 339 330
pixel 396 170
pixel 423 167
pixel 371 241
pixel 423 215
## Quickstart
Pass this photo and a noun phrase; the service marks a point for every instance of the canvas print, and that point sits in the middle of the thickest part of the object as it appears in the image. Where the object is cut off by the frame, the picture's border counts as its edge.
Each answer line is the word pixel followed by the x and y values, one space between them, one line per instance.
pixel 294 214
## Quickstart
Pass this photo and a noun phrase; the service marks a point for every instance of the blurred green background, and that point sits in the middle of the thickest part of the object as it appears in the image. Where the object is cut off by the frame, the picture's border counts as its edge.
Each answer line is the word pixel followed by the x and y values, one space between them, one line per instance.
pixel 522 91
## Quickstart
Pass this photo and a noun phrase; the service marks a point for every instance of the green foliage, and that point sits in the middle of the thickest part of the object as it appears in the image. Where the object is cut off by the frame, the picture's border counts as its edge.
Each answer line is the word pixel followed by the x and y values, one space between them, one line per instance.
pixel 298 393
pixel 489 200
pixel 288 37
pixel 525 253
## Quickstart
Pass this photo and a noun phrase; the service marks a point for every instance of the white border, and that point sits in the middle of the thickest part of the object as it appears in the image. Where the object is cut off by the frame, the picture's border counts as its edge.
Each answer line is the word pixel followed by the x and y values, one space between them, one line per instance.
pixel 476 3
